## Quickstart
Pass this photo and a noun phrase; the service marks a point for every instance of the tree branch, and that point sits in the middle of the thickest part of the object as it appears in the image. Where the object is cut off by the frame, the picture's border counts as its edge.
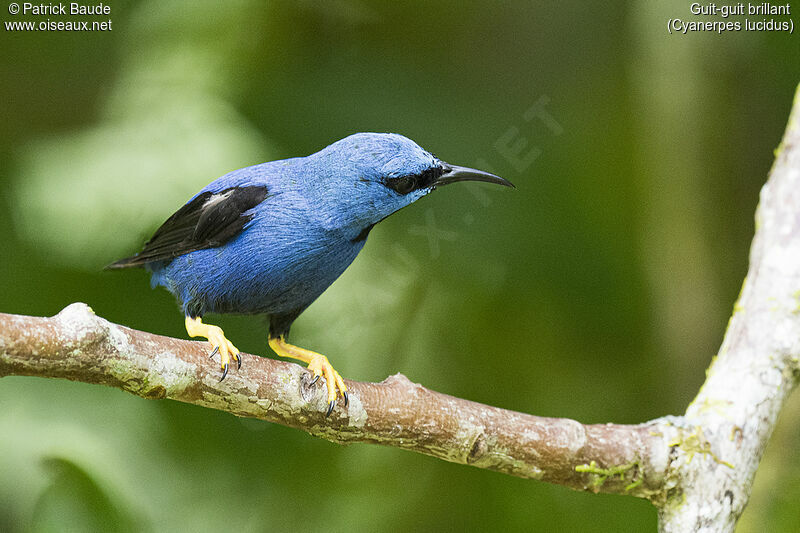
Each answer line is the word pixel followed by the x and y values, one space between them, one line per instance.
pixel 80 346
pixel 697 469
pixel 757 367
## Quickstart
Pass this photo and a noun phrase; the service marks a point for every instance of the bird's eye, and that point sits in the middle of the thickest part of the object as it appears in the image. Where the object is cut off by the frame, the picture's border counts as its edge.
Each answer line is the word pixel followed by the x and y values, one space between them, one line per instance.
pixel 403 184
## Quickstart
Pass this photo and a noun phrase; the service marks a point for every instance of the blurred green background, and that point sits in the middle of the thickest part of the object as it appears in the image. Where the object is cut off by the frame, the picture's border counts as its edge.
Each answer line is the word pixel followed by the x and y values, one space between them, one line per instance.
pixel 599 289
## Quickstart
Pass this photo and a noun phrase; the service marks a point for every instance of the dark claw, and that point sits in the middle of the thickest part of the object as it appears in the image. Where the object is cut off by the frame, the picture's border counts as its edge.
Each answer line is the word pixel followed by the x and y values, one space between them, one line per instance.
pixel 330 408
pixel 224 372
pixel 239 361
pixel 213 353
pixel 346 399
pixel 316 378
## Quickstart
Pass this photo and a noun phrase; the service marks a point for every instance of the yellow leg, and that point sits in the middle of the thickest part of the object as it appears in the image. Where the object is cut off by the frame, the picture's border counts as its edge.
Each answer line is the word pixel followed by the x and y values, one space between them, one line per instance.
pixel 318 364
pixel 216 338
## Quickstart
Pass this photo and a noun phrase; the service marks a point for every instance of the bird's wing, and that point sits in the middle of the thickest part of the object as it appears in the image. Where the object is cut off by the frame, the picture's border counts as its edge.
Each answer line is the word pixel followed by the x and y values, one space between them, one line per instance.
pixel 207 221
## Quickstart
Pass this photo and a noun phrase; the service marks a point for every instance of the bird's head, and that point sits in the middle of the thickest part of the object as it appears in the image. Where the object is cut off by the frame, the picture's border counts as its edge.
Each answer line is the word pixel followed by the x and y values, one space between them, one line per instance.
pixel 369 176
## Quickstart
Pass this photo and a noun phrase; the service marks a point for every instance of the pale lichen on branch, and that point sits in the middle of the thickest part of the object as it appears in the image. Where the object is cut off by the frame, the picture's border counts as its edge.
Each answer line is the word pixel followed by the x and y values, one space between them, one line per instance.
pixel 77 345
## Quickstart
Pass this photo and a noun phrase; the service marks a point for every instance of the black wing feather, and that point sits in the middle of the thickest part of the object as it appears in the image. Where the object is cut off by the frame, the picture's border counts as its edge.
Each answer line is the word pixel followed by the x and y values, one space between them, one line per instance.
pixel 208 221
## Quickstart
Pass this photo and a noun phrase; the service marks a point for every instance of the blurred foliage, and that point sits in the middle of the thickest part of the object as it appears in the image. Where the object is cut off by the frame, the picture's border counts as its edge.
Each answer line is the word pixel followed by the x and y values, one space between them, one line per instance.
pixel 599 289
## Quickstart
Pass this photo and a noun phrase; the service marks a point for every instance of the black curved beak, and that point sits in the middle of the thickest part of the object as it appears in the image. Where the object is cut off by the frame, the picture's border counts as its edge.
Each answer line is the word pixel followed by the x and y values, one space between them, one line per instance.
pixel 454 173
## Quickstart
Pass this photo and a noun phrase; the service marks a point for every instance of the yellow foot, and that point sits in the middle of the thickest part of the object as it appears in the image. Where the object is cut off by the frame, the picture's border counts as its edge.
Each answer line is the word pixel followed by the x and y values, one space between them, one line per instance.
pixel 216 338
pixel 318 364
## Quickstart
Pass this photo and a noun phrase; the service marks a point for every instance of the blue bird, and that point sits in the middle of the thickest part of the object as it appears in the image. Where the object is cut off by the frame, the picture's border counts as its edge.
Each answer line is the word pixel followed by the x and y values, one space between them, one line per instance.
pixel 269 239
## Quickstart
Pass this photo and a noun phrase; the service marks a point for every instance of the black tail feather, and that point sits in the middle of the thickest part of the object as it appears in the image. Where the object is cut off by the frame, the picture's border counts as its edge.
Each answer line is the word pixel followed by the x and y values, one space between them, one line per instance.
pixel 128 262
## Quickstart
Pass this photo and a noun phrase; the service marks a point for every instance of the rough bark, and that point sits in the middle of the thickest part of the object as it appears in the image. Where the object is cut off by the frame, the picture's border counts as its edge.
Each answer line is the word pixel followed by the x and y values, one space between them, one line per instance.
pixel 78 345
pixel 697 468
pixel 757 367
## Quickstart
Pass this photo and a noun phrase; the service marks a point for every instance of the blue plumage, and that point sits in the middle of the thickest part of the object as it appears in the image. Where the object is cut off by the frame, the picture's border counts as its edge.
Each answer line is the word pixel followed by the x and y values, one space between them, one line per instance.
pixel 304 235
pixel 272 237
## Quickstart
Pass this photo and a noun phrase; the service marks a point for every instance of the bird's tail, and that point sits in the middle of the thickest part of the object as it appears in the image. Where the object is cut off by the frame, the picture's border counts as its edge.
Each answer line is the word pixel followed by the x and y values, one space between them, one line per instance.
pixel 128 262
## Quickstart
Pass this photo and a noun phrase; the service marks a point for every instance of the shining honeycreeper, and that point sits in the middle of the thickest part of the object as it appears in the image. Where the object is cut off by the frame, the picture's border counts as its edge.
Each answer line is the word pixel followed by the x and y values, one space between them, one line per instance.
pixel 270 238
